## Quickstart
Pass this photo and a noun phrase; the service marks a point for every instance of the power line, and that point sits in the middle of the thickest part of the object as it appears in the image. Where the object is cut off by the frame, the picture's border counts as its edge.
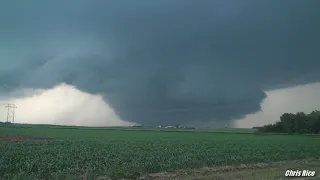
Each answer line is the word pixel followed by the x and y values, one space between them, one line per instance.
pixel 11 112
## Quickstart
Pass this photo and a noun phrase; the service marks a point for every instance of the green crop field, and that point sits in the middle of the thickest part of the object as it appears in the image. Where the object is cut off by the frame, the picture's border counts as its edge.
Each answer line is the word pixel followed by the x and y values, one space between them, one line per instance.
pixel 69 153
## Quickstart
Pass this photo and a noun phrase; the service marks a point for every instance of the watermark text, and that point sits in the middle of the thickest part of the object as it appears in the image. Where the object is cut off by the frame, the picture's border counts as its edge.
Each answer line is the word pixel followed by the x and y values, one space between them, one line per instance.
pixel 300 173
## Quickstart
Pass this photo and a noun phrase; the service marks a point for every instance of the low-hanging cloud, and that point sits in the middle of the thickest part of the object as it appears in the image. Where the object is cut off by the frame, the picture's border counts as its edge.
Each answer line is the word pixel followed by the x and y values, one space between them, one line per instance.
pixel 63 105
pixel 163 62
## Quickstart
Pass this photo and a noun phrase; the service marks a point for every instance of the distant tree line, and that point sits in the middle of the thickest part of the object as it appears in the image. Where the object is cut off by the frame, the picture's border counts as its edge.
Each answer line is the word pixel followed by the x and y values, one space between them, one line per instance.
pixel 5 123
pixel 295 123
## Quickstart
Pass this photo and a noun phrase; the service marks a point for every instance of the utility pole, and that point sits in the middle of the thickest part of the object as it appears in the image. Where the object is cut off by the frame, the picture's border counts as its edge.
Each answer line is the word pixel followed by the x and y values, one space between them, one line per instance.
pixel 11 112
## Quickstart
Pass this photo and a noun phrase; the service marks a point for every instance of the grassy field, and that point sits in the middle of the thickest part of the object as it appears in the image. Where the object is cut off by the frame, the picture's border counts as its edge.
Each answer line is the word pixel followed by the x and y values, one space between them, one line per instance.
pixel 259 171
pixel 69 153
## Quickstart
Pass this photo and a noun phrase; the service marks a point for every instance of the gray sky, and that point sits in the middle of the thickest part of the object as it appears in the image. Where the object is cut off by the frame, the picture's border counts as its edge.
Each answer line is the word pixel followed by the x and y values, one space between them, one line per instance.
pixel 160 61
pixel 303 98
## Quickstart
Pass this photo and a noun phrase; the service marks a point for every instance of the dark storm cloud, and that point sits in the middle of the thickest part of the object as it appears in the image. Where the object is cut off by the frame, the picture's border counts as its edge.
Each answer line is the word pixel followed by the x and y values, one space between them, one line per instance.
pixel 163 61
